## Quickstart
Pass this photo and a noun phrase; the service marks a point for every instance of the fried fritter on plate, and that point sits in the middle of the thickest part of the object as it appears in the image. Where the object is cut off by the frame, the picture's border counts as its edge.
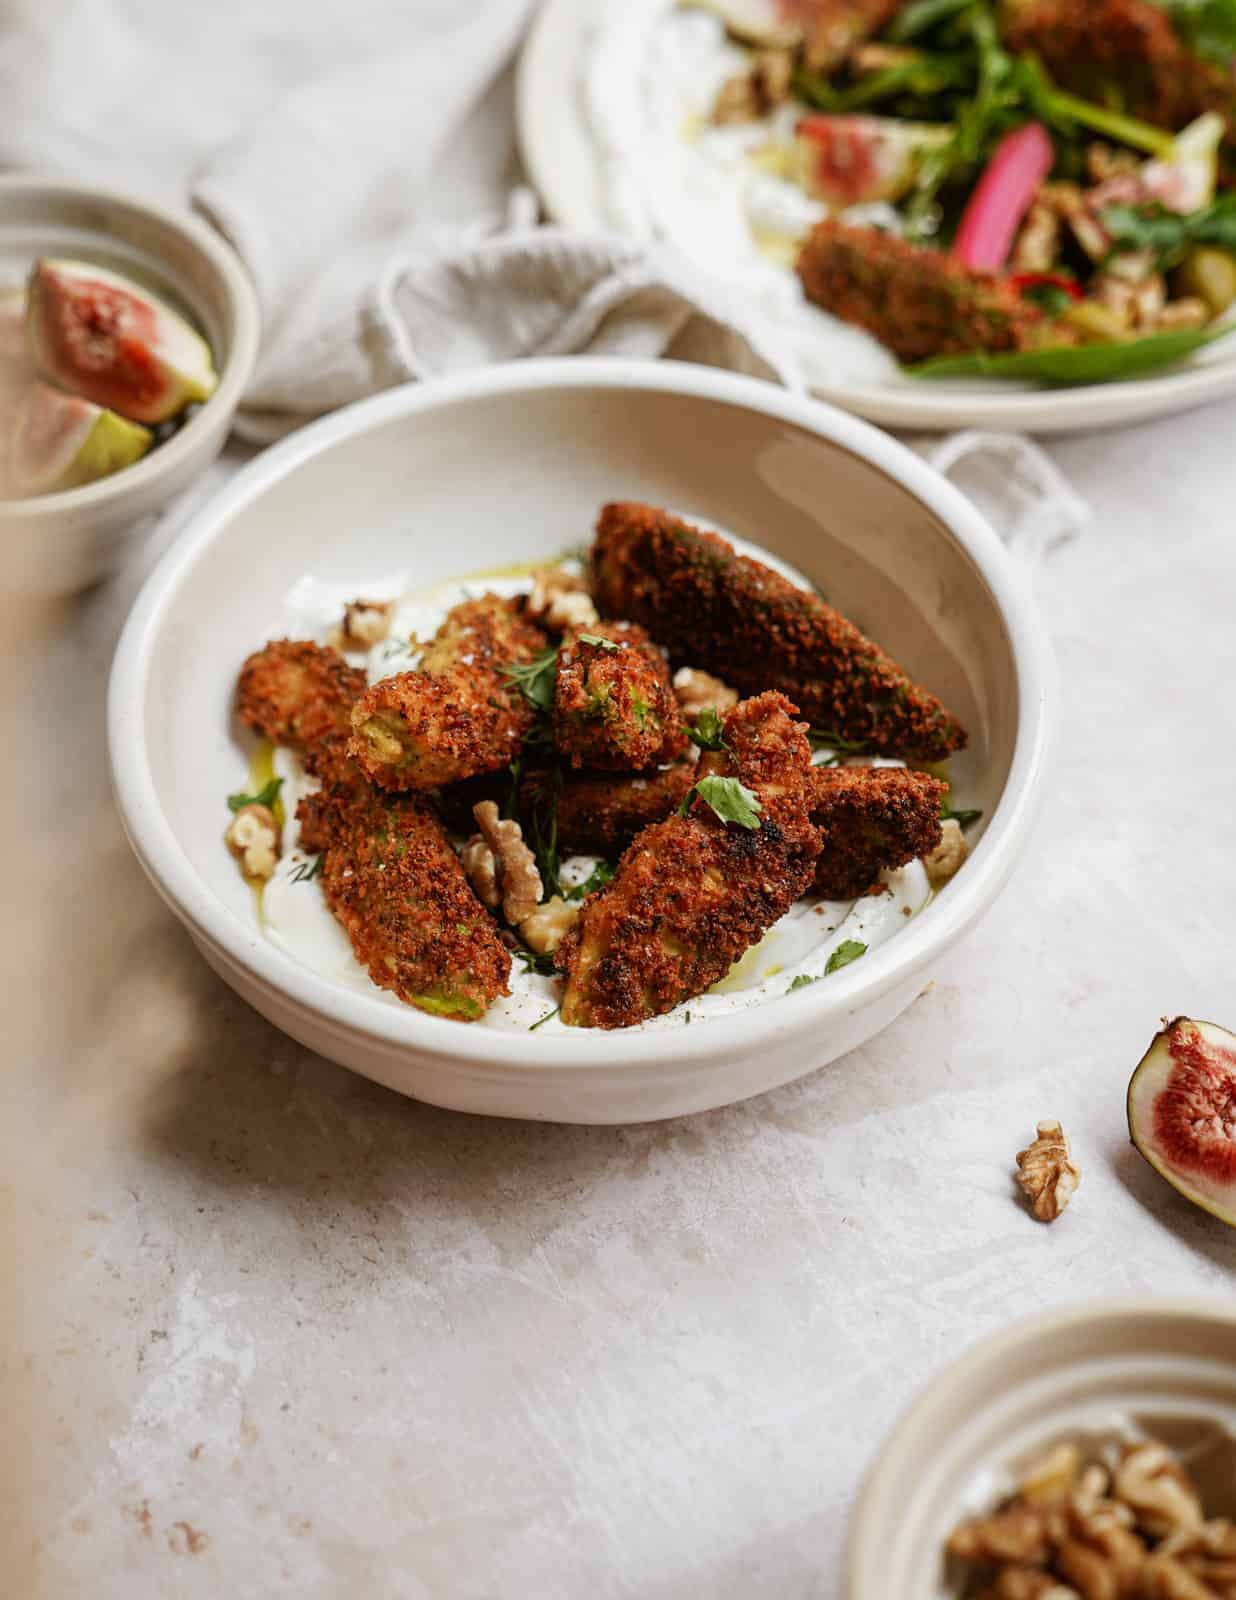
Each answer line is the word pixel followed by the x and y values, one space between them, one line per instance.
pixel 713 608
pixel 693 893
pixel 600 813
pixel 871 819
pixel 392 880
pixel 460 713
pixel 300 695
pixel 614 704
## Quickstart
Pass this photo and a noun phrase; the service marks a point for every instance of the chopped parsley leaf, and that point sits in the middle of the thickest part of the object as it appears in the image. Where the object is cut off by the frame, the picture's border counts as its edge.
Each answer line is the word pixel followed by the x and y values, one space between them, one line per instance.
pixel 708 732
pixel 848 950
pixel 727 798
pixel 264 797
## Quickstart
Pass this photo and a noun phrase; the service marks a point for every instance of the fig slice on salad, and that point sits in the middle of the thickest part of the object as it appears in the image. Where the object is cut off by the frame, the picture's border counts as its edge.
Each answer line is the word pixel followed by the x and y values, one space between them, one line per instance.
pixel 850 160
pixel 105 338
pixel 1182 1112
pixel 60 441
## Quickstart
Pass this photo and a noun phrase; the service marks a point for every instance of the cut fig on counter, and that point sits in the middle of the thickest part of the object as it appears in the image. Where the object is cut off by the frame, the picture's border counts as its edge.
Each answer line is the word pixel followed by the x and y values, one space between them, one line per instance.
pixel 104 337
pixel 1182 1112
pixel 59 441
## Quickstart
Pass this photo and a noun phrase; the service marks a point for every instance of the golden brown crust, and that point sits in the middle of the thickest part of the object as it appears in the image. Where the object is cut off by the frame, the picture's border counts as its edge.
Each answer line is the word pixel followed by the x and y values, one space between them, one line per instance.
pixel 391 878
pixel 693 893
pixel 715 609
pixel 600 813
pixel 616 709
pixel 917 301
pixel 459 715
pixel 301 695
pixel 871 819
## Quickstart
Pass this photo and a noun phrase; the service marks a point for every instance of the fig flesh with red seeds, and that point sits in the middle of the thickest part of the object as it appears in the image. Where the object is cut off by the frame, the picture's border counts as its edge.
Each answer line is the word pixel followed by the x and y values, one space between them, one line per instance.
pixel 1182 1112
pixel 103 337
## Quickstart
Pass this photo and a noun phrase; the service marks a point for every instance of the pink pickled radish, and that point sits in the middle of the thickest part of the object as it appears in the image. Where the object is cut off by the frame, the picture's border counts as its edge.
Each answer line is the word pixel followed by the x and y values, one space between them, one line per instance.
pixel 1002 197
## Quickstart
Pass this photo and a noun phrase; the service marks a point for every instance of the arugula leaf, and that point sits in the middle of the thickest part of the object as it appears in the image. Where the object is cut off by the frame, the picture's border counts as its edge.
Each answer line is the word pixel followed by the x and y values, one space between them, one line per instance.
pixel 920 16
pixel 601 644
pixel 600 875
pixel 728 798
pixel 536 678
pixel 963 819
pixel 536 962
pixel 1208 25
pixel 828 739
pixel 848 950
pixel 708 732
pixel 1058 366
pixel 264 797
pixel 1168 234
pixel 801 982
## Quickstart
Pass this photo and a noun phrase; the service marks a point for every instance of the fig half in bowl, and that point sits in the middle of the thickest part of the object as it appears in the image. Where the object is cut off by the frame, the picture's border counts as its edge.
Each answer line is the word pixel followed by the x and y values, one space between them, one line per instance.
pixel 1182 1112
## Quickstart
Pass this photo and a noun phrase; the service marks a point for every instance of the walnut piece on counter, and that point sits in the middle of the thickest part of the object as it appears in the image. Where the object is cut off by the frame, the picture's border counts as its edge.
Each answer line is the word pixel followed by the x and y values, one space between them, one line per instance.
pixel 697 691
pixel 253 838
pixel 1027 1583
pixel 1046 1173
pixel 944 862
pixel 515 868
pixel 544 929
pixel 365 623
pixel 559 600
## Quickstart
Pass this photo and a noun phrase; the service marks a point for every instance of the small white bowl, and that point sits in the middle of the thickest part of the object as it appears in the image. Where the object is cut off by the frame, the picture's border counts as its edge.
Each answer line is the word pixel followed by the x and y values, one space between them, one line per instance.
pixel 512 464
pixel 57 543
pixel 1168 1366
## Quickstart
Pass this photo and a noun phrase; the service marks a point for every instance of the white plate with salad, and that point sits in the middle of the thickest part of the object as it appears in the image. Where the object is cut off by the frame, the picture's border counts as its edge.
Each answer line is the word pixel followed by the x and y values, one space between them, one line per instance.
pixel 955 212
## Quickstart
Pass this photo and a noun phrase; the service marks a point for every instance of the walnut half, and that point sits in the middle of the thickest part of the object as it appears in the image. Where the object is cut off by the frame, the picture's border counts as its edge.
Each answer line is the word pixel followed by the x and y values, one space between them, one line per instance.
pixel 515 865
pixel 1046 1173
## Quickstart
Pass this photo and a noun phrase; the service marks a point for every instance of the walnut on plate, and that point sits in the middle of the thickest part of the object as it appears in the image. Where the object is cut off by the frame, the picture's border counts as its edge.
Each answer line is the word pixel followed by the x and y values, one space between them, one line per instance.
pixel 1046 1172
pixel 365 623
pixel 560 601
pixel 253 838
pixel 510 868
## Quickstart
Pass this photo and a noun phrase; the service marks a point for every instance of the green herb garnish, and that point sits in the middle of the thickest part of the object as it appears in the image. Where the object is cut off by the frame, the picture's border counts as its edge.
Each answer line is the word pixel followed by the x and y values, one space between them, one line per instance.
pixel 827 739
pixel 728 798
pixel 963 819
pixel 600 875
pixel 709 730
pixel 541 830
pixel 541 1021
pixel 801 982
pixel 306 871
pixel 536 678
pixel 601 644
pixel 264 797
pixel 535 961
pixel 1167 234
pixel 848 950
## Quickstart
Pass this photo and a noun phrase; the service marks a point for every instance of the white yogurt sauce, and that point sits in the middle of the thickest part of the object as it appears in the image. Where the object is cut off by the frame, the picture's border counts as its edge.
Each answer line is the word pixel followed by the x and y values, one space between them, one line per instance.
pixel 715 194
pixel 295 915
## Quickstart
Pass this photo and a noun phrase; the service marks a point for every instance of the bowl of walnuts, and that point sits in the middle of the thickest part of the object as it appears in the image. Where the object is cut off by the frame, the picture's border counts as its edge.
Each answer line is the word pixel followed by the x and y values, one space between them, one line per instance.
pixel 1088 1454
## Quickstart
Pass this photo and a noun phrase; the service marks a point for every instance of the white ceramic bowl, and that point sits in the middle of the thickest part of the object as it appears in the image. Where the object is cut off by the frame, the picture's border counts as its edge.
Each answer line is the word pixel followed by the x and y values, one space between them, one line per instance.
pixel 57 543
pixel 512 464
pixel 1166 1365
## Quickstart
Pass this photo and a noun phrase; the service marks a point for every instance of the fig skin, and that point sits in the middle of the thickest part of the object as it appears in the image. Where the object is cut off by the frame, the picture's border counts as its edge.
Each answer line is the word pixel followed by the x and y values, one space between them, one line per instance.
pixel 59 441
pixel 103 337
pixel 1182 1112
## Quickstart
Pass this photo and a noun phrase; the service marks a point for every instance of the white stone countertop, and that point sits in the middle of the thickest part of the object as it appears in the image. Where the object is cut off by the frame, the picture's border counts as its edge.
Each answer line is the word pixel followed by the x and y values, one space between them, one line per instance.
pixel 278 1331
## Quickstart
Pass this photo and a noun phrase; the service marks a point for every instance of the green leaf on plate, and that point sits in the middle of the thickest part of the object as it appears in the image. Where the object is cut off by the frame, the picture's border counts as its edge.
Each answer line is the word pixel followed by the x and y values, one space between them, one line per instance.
pixel 729 799
pixel 848 950
pixel 1062 365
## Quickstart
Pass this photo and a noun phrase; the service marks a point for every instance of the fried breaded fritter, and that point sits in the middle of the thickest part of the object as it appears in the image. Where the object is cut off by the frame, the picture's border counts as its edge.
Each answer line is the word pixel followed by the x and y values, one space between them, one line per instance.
pixel 715 609
pixel 600 813
pixel 916 301
pixel 459 714
pixel 301 695
pixel 693 893
pixel 391 878
pixel 614 705
pixel 1123 52
pixel 871 819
